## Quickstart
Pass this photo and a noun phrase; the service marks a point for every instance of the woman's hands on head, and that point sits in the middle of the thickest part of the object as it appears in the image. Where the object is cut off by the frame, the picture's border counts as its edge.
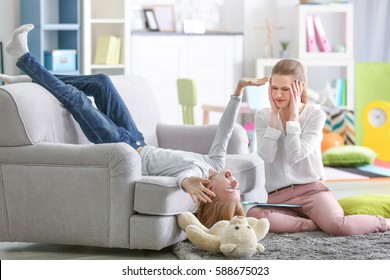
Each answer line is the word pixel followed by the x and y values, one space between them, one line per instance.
pixel 286 91
pixel 295 99
pixel 274 108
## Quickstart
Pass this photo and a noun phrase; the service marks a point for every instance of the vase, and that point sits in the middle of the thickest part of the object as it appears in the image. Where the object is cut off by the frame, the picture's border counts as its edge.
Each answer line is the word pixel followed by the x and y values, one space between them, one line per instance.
pixel 284 54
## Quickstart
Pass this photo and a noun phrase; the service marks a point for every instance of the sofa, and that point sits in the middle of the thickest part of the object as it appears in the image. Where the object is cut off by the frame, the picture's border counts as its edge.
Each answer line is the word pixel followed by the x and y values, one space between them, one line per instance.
pixel 56 187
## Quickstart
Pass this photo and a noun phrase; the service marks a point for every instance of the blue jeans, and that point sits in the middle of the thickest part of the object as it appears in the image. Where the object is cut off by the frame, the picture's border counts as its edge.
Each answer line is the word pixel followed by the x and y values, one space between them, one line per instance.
pixel 111 122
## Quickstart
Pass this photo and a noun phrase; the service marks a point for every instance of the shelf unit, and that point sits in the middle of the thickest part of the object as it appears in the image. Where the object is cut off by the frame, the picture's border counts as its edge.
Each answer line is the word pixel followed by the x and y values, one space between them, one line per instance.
pixel 106 18
pixel 340 15
pixel 57 26
pixel 321 67
pixel 347 67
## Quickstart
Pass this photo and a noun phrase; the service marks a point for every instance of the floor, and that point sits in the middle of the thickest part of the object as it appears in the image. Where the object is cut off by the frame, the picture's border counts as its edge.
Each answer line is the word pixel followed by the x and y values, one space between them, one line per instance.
pixel 34 251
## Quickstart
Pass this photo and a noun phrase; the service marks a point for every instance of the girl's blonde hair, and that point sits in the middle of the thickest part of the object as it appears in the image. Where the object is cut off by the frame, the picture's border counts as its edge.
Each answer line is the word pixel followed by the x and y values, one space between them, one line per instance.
pixel 210 213
pixel 291 67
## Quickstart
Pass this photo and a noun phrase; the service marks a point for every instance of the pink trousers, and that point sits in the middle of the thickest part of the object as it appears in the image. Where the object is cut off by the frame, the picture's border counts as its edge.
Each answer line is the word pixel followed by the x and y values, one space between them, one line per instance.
pixel 318 205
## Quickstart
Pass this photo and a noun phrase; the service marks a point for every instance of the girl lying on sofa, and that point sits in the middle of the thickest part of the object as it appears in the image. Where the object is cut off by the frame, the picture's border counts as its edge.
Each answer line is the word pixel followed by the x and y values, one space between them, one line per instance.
pixel 203 177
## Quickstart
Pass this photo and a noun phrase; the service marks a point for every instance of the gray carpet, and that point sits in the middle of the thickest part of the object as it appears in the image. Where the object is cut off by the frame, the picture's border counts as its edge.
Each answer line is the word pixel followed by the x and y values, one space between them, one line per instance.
pixel 305 246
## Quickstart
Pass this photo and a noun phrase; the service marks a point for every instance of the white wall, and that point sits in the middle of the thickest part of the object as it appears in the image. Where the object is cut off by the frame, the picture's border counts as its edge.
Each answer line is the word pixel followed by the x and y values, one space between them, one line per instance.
pixel 236 15
pixel 250 17
pixel 9 20
pixel 242 18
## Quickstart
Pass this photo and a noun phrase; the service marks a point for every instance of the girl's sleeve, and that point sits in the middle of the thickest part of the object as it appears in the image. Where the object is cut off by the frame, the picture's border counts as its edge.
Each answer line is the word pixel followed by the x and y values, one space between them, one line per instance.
pixel 226 124
pixel 192 171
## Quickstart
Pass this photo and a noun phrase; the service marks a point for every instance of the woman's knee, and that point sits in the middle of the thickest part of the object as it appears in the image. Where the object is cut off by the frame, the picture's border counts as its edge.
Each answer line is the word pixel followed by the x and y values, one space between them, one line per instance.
pixel 338 227
pixel 257 212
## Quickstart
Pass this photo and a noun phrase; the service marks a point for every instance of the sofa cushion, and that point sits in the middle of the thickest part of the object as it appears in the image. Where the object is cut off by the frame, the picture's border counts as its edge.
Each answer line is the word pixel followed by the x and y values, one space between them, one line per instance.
pixel 154 232
pixel 158 195
pixel 138 95
pixel 30 114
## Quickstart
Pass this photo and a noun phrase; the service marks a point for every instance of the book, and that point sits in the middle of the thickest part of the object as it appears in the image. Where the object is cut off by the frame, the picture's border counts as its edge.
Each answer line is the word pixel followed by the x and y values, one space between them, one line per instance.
pixel 344 94
pixel 115 59
pixel 340 92
pixel 321 39
pixel 284 205
pixel 108 50
pixel 310 36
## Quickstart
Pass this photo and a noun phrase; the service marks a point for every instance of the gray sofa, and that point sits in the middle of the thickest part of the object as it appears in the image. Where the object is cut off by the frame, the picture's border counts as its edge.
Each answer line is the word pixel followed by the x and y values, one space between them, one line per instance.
pixel 56 187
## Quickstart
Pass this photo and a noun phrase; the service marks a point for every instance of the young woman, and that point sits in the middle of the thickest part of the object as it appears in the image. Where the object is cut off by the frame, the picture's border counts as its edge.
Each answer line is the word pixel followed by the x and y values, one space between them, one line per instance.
pixel 203 177
pixel 289 135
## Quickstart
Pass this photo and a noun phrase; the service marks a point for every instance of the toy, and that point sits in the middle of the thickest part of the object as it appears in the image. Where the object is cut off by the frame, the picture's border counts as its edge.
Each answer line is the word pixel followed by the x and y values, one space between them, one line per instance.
pixel 236 239
pixel 331 139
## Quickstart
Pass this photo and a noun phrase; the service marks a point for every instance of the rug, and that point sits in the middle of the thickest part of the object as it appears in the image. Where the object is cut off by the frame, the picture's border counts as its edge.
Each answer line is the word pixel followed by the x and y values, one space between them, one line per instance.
pixel 304 246
pixel 379 170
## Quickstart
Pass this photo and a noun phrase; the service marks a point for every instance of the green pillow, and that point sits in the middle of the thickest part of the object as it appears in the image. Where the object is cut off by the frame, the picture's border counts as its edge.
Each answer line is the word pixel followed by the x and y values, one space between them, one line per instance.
pixel 348 156
pixel 370 204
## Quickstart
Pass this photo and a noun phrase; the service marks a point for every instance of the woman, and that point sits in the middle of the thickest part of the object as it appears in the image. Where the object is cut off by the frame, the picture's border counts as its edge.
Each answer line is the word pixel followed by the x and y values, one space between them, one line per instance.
pixel 203 177
pixel 289 135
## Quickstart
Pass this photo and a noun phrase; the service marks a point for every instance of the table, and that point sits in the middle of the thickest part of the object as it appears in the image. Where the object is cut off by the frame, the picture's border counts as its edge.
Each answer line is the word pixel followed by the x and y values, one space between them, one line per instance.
pixel 207 108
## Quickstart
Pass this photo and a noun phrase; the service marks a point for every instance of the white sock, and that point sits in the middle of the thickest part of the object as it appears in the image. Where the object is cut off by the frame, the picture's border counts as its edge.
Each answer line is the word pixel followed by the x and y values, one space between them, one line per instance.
pixel 17 46
pixel 15 79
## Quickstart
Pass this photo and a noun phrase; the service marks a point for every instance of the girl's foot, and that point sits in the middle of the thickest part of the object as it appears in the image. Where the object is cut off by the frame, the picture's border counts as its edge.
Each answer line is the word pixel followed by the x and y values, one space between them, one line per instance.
pixel 15 79
pixel 17 46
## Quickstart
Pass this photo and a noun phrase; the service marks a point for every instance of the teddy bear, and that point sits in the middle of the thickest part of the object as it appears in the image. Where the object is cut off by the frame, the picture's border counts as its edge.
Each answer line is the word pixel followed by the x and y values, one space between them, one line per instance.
pixel 237 238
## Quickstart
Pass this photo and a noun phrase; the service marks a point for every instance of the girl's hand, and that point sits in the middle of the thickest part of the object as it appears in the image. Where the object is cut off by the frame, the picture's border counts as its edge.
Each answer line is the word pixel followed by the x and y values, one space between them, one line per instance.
pixel 244 82
pixel 194 186
pixel 295 99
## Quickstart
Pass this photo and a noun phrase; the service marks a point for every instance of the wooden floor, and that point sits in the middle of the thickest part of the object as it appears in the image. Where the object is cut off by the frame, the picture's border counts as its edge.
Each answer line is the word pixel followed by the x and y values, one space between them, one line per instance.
pixel 33 251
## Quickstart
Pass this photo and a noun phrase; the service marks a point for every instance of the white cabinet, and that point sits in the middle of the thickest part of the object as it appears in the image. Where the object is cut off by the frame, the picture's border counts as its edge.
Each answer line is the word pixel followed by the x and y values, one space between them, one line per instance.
pixel 322 67
pixel 105 18
pixel 214 61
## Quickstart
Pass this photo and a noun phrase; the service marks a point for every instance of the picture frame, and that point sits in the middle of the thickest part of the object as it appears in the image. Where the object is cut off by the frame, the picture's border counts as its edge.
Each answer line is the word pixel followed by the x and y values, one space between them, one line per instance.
pixel 1 62
pixel 150 20
pixel 165 16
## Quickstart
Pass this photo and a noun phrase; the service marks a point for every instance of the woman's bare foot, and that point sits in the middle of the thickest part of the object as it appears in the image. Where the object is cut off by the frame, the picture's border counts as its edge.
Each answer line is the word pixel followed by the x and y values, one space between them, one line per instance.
pixel 17 46
pixel 15 79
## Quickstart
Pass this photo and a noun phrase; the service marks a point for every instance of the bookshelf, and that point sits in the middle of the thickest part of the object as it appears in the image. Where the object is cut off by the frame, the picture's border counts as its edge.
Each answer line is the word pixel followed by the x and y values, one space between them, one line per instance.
pixel 343 68
pixel 102 18
pixel 57 26
pixel 340 15
pixel 322 67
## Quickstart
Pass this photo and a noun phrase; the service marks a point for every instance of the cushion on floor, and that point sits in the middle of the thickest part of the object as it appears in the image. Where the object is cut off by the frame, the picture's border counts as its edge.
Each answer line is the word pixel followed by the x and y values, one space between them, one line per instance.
pixel 370 204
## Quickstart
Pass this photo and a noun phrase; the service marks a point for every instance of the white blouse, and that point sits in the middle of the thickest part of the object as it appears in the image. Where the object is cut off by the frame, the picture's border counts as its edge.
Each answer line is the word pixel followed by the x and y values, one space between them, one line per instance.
pixel 292 156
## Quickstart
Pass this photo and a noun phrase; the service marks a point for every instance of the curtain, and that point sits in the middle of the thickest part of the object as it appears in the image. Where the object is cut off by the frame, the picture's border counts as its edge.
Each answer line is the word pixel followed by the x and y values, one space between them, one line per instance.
pixel 372 30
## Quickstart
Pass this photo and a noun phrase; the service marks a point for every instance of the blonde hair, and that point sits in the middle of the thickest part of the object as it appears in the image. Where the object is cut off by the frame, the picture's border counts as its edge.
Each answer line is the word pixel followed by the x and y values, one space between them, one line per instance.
pixel 291 67
pixel 210 213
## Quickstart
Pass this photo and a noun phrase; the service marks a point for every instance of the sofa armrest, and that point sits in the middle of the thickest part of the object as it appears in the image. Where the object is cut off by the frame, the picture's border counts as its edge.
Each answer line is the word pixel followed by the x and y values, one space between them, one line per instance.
pixel 249 171
pixel 68 194
pixel 199 138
